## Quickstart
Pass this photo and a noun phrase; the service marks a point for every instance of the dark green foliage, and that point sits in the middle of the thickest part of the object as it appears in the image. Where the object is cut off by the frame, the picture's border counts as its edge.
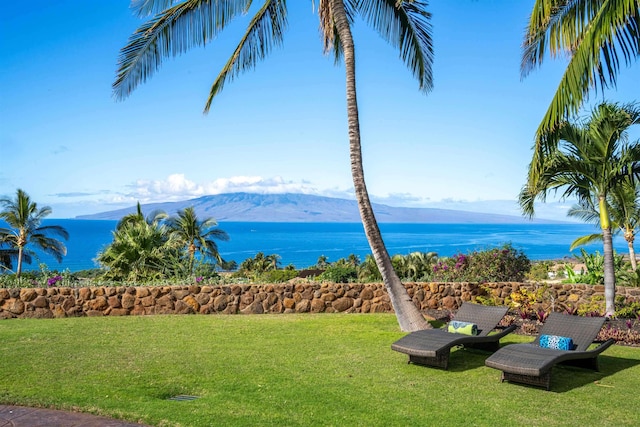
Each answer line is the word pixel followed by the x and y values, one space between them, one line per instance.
pixel 205 270
pixel 340 274
pixel 540 270
pixel 594 274
pixel 278 276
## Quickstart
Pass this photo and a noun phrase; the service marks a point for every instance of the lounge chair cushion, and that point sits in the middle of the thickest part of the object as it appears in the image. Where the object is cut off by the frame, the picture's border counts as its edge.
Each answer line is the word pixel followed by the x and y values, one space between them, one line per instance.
pixel 556 342
pixel 459 327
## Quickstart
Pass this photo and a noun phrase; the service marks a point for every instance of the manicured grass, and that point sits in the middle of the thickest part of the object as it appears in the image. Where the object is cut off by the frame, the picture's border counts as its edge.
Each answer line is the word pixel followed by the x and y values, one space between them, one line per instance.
pixel 289 370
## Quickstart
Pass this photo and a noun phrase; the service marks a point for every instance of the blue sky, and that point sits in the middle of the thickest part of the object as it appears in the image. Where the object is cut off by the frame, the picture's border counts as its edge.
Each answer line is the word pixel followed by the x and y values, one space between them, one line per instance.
pixel 280 128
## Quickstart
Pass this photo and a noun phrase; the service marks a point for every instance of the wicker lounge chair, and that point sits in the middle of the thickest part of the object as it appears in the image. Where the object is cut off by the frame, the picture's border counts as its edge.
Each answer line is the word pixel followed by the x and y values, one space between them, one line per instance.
pixel 431 347
pixel 531 364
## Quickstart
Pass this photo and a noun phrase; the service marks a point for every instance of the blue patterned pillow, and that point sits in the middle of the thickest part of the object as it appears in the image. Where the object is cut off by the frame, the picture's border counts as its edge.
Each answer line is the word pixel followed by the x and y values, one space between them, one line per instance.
pixel 556 342
pixel 459 327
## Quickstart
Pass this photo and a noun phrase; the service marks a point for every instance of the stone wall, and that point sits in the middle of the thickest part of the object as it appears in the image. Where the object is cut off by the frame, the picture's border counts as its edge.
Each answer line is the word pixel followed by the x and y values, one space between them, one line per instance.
pixel 300 297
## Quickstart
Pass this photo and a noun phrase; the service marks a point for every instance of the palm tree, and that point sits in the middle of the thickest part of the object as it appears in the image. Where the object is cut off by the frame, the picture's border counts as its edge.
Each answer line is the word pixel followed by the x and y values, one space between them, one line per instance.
pixel 197 235
pixel 588 160
pixel 180 25
pixel 323 262
pixel 624 208
pixel 368 270
pixel 154 217
pixel 595 34
pixel 25 219
pixel 259 264
pixel 8 254
pixel 419 264
pixel 139 251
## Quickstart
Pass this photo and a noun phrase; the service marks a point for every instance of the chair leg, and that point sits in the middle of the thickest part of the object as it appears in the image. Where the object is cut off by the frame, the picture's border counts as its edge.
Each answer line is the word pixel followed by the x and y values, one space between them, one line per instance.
pixel 441 360
pixel 543 380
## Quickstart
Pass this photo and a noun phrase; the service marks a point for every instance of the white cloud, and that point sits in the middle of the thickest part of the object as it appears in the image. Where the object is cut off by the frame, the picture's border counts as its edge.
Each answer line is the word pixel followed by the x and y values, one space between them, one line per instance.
pixel 179 187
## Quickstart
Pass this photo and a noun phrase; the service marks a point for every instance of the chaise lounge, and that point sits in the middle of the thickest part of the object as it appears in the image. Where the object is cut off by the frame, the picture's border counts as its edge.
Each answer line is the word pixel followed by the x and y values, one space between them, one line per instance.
pixel 431 347
pixel 531 363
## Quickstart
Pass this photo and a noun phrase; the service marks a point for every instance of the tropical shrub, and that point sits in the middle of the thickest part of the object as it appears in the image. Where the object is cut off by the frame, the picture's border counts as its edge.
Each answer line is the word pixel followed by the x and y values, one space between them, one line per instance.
pixel 505 264
pixel 595 307
pixel 488 298
pixel 539 270
pixel 278 276
pixel 340 274
pixel 626 309
pixel 594 274
pixel 523 302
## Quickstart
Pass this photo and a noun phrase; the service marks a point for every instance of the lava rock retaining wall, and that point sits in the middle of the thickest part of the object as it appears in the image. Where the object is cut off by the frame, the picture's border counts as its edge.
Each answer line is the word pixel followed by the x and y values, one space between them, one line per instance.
pixel 301 297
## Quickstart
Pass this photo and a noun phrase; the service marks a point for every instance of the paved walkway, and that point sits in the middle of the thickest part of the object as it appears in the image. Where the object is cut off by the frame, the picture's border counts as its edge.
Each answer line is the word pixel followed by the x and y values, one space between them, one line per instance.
pixel 20 416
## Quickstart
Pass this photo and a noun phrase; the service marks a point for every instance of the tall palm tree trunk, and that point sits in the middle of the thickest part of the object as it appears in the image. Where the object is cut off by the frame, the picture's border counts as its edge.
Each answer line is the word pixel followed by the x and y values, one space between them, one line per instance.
pixel 409 317
pixel 609 269
pixel 19 267
pixel 632 257
pixel 609 273
pixel 629 237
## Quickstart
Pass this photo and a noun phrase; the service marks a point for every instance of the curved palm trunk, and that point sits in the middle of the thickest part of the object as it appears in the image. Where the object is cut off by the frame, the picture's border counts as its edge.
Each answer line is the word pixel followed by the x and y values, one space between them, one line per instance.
pixel 408 315
pixel 609 273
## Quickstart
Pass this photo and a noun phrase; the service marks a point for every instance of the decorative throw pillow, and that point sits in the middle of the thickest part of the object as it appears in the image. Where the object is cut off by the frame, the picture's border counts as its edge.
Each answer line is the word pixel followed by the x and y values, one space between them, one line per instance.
pixel 459 327
pixel 556 342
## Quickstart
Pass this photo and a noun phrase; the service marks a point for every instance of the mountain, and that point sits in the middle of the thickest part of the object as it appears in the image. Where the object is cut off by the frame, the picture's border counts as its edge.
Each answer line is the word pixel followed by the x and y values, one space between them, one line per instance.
pixel 249 207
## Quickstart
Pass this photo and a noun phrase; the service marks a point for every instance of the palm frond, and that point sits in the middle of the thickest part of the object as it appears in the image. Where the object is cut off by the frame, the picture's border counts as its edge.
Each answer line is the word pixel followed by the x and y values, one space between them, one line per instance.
pixel 172 32
pixel 149 7
pixel 585 210
pixel 585 240
pixel 406 25
pixel 594 34
pixel 265 31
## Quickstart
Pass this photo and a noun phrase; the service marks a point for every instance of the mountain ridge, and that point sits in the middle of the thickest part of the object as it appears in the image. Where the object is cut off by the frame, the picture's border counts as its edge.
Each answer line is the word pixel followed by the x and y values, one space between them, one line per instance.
pixel 296 207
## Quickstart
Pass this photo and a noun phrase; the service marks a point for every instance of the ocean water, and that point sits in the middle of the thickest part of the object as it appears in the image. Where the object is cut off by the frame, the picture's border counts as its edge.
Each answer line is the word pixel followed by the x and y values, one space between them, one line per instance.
pixel 301 244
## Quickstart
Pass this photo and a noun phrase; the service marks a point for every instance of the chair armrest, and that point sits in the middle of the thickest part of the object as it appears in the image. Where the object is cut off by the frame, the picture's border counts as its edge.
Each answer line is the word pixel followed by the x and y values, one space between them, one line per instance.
pixel 505 331
pixel 602 347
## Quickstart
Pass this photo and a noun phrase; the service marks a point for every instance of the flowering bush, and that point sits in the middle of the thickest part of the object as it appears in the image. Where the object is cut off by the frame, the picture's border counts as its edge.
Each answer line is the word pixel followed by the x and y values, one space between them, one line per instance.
pixel 504 264
pixel 53 281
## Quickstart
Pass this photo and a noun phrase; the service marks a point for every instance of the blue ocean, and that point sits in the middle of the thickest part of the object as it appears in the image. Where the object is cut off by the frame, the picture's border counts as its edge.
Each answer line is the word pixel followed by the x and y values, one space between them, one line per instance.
pixel 301 244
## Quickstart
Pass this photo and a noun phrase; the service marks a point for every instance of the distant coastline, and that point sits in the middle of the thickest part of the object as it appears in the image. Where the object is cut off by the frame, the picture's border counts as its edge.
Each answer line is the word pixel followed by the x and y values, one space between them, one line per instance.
pixel 291 207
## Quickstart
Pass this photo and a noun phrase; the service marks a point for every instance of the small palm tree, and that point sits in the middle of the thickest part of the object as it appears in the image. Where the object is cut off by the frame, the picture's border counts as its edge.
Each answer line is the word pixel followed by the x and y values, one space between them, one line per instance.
pixel 323 262
pixel 139 251
pixel 420 264
pixel 588 159
pixel 196 235
pixel 24 220
pixel 624 208
pixel 259 264
pixel 368 270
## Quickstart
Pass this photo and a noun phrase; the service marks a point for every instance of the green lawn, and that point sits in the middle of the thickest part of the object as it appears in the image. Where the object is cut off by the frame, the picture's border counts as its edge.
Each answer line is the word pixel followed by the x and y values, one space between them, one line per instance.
pixel 289 370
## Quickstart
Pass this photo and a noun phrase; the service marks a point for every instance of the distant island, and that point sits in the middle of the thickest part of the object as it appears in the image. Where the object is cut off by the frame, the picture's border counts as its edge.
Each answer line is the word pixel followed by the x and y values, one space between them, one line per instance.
pixel 290 207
